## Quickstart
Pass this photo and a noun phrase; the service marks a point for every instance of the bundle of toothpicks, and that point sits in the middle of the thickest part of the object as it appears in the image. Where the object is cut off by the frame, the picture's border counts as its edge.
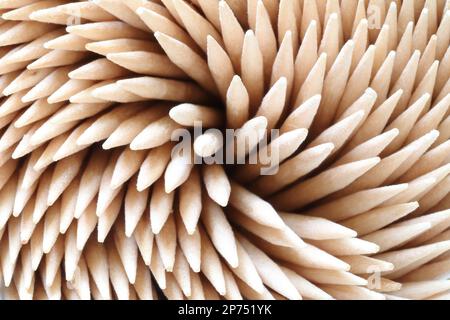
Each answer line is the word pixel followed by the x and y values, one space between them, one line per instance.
pixel 225 149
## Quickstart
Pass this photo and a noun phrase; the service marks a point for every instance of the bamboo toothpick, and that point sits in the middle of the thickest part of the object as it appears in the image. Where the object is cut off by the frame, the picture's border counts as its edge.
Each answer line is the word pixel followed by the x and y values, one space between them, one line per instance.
pixel 224 149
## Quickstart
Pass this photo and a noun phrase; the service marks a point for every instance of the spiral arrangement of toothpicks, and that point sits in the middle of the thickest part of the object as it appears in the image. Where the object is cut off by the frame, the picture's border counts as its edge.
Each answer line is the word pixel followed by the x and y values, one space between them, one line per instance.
pixel 95 203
